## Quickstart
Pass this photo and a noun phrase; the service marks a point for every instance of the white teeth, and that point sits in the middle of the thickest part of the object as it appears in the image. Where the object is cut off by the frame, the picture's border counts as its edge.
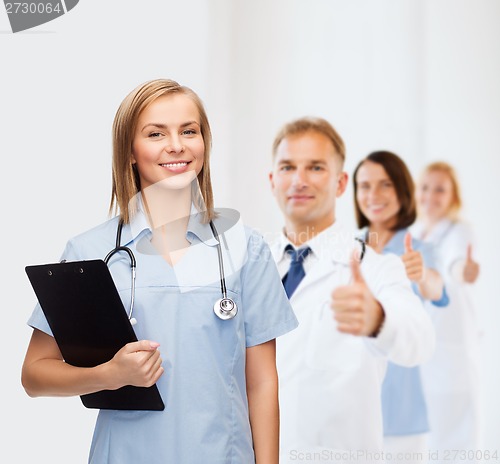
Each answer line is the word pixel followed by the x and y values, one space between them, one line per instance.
pixel 174 165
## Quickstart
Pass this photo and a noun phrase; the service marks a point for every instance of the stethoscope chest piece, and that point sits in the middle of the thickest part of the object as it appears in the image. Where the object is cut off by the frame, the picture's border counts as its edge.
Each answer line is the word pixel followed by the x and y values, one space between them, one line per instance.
pixel 225 308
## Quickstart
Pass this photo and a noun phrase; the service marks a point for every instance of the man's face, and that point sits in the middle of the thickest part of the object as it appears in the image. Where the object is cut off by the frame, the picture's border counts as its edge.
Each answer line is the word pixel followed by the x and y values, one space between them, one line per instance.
pixel 307 178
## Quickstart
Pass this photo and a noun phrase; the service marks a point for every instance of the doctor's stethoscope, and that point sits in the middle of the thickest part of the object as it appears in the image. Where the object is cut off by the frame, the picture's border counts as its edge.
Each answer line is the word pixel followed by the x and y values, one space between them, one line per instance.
pixel 225 307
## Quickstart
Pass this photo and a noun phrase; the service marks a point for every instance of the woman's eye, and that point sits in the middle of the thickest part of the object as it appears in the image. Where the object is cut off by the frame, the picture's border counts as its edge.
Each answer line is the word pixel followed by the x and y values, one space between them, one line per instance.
pixel 154 134
pixel 189 132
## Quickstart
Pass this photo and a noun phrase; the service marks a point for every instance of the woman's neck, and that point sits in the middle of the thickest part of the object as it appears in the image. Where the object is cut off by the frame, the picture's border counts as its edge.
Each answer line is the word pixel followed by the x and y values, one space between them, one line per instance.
pixel 379 236
pixel 428 224
pixel 166 206
pixel 168 211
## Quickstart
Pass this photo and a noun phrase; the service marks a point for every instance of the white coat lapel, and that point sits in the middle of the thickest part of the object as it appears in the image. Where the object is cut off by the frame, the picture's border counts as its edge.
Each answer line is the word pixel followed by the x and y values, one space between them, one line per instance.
pixel 321 269
pixel 332 250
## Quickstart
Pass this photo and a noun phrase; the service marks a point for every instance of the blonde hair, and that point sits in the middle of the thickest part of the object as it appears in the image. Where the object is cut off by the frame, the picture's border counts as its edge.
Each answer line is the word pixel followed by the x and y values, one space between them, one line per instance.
pixel 311 124
pixel 126 181
pixel 456 202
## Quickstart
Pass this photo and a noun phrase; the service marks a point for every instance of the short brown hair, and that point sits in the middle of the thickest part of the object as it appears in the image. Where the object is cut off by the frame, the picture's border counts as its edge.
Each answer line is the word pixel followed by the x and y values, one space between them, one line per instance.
pixel 311 124
pixel 400 176
pixel 126 182
pixel 441 166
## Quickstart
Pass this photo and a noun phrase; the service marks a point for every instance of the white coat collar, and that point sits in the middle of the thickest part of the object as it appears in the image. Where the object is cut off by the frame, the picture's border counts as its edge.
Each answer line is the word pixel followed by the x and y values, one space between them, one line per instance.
pixel 332 247
pixel 437 233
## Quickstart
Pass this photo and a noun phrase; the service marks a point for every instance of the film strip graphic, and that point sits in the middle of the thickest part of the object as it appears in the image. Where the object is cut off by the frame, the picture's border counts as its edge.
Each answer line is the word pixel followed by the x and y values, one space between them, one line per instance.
pixel 28 14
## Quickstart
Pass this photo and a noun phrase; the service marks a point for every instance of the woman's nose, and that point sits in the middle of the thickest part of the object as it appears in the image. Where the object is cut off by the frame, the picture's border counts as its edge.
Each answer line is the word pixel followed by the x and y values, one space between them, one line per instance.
pixel 174 145
pixel 371 194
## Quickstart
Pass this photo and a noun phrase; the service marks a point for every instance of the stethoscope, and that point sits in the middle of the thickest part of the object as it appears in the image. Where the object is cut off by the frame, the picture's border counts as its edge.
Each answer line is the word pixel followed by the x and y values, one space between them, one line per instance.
pixel 224 308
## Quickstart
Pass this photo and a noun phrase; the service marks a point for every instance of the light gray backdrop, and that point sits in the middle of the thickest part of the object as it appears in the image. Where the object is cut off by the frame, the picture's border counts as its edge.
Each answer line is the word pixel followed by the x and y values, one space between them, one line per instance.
pixel 418 77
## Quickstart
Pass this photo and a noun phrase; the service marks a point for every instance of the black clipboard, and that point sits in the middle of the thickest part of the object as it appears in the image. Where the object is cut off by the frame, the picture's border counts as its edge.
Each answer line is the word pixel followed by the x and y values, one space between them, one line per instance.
pixel 90 324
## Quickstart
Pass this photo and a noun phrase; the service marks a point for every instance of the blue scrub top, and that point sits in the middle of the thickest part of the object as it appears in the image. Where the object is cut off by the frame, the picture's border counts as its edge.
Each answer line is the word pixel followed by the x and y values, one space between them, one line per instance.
pixel 203 387
pixel 404 409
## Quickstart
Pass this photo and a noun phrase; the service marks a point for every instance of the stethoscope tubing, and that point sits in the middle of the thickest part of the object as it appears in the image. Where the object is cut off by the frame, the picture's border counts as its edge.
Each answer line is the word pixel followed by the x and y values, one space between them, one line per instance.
pixel 225 308
pixel 133 265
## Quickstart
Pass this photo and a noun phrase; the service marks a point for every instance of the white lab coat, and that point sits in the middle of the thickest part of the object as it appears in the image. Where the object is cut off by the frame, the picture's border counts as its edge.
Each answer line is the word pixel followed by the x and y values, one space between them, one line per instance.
pixel 330 382
pixel 451 378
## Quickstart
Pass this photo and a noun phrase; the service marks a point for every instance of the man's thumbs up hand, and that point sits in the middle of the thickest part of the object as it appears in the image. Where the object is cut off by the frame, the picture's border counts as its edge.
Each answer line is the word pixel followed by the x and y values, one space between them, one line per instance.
pixel 355 309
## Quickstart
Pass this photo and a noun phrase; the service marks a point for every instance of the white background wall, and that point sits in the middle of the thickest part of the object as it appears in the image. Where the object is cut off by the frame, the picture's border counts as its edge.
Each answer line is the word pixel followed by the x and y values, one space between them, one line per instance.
pixel 418 77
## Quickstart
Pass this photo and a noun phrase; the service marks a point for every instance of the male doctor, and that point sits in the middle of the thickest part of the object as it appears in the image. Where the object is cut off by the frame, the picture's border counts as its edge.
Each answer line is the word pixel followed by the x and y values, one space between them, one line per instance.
pixel 356 308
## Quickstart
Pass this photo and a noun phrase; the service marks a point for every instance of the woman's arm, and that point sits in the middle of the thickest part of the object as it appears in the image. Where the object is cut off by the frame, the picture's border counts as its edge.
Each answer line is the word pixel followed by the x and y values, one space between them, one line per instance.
pixel 466 270
pixel 262 392
pixel 431 285
pixel 44 372
pixel 429 282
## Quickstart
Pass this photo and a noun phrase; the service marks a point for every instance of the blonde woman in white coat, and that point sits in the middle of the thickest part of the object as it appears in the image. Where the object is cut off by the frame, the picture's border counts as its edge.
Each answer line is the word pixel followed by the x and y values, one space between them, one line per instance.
pixel 451 378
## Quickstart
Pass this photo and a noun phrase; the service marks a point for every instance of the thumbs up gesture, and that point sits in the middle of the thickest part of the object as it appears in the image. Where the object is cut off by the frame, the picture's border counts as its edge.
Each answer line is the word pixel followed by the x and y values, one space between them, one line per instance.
pixel 354 307
pixel 413 261
pixel 471 267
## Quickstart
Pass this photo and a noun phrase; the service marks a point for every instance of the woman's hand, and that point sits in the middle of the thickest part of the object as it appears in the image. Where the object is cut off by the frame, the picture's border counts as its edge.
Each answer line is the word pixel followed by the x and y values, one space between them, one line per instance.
pixel 45 373
pixel 137 364
pixel 471 267
pixel 429 282
pixel 413 261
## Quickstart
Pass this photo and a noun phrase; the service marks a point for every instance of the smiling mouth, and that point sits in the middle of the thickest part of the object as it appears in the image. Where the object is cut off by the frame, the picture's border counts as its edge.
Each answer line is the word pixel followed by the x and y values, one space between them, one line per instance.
pixel 176 167
pixel 300 197
pixel 376 208
pixel 180 164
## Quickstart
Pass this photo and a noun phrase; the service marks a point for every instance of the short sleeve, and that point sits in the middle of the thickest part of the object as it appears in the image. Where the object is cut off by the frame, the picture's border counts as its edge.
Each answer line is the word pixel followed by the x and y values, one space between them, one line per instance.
pixel 37 320
pixel 266 308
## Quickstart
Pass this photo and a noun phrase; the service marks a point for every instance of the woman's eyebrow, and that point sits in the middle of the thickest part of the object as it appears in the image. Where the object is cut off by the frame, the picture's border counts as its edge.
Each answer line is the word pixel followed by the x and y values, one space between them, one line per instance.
pixel 155 124
pixel 164 126
pixel 189 123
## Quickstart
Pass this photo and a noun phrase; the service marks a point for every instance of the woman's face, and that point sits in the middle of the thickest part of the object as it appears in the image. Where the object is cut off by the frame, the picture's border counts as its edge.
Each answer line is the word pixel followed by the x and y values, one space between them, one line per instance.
pixel 168 141
pixel 376 195
pixel 435 195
